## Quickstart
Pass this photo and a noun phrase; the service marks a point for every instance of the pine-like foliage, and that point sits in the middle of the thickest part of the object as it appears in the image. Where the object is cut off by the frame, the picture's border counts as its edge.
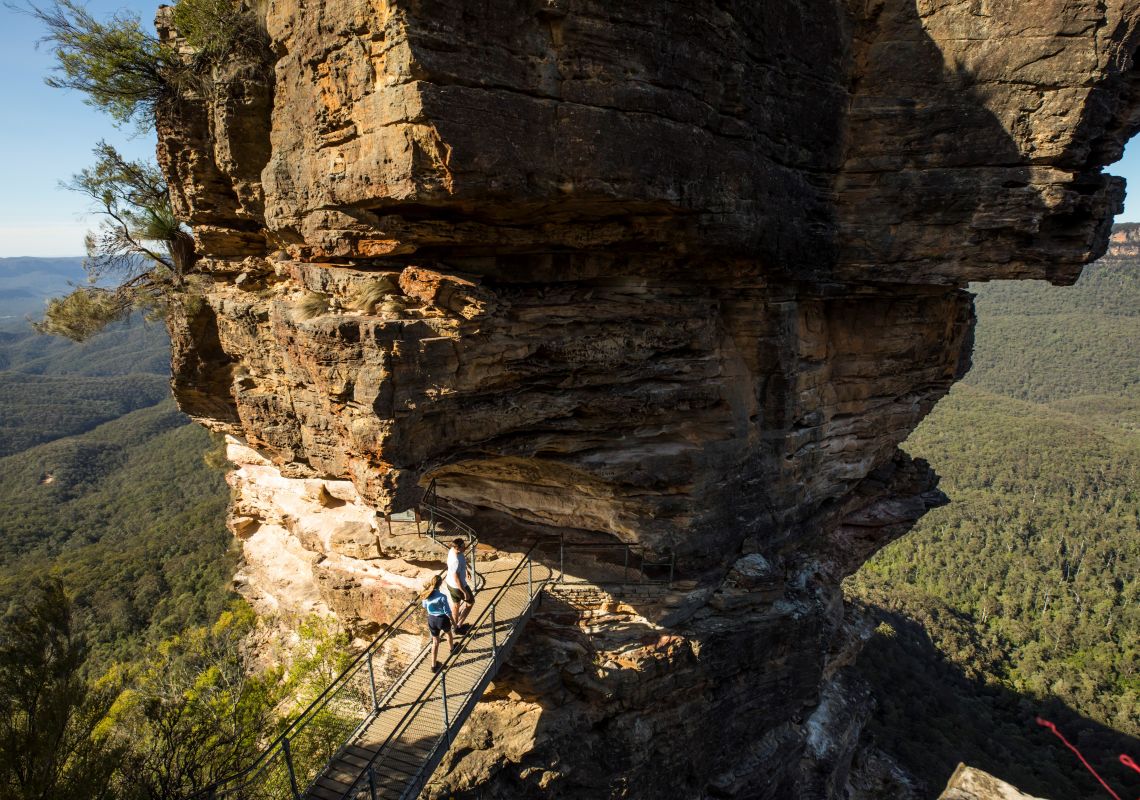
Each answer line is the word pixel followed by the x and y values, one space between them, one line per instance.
pixel 122 69
pixel 140 248
pixel 49 745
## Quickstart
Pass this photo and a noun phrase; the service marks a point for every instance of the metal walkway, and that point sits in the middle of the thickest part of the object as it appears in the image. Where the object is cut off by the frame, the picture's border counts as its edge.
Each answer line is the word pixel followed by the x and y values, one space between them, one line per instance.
pixel 377 736
pixel 379 730
pixel 395 752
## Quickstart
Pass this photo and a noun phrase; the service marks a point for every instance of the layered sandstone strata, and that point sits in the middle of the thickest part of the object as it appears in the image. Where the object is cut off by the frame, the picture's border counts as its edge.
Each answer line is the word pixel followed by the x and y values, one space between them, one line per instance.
pixel 672 275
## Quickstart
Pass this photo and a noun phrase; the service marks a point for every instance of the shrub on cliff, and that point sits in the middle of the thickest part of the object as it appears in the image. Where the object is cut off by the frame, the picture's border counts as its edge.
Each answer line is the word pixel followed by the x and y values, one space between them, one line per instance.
pixel 128 72
pixel 374 293
pixel 131 74
pixel 122 69
pixel 218 30
pixel 312 304
pixel 139 245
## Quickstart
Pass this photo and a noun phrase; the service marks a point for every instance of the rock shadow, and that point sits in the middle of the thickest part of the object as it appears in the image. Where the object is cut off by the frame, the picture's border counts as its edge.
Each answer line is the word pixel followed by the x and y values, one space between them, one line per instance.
pixel 954 169
pixel 932 714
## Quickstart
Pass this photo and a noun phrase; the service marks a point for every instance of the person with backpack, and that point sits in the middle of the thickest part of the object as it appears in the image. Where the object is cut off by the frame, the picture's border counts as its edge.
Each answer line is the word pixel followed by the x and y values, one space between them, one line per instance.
pixel 440 617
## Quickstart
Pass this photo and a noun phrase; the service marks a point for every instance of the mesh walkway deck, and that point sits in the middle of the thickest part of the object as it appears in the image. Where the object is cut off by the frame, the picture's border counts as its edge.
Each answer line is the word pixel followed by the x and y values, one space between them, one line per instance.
pixel 394 753
pixel 380 728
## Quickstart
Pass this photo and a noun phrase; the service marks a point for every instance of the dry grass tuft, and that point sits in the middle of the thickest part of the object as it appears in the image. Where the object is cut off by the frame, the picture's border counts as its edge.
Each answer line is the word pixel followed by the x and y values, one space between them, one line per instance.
pixel 312 304
pixel 373 293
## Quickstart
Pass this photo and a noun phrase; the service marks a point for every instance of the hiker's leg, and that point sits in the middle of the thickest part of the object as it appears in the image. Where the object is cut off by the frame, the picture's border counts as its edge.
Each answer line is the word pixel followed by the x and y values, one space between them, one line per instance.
pixel 467 604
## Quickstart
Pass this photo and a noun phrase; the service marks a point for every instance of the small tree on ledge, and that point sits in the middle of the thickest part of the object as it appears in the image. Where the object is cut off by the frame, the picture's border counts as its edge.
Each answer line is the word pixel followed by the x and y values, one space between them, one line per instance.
pixel 140 246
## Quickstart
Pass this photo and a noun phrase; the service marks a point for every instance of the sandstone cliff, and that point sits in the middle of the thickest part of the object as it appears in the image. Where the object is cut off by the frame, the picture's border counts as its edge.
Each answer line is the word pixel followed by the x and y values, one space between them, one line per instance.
pixel 680 275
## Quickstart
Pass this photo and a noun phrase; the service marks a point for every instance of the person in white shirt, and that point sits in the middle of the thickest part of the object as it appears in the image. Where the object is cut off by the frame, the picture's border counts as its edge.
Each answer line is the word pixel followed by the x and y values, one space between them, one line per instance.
pixel 462 598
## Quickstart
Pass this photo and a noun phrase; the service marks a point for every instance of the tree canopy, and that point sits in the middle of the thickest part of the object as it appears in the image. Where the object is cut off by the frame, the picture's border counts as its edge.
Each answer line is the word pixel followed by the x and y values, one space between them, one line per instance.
pixel 139 244
pixel 1021 596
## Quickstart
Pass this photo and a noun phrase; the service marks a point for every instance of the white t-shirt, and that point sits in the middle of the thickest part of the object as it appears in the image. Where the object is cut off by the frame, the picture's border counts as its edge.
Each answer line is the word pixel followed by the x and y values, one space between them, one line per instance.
pixel 456 569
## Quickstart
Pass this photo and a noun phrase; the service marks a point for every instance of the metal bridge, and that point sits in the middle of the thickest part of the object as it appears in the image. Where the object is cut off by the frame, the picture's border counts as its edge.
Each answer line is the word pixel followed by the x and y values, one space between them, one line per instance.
pixel 374 736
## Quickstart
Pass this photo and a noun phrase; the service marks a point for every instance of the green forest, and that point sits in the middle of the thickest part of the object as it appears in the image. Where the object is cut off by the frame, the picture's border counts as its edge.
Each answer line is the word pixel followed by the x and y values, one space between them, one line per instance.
pixel 103 484
pixel 1021 598
pixel 123 671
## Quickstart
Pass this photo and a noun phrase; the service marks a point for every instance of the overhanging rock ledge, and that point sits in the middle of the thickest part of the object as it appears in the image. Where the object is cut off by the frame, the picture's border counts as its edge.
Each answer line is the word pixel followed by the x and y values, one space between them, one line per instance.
pixel 644 272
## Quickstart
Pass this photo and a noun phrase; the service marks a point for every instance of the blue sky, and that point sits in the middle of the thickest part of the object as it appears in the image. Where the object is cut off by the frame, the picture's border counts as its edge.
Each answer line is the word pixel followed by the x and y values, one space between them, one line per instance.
pixel 48 138
pixel 50 133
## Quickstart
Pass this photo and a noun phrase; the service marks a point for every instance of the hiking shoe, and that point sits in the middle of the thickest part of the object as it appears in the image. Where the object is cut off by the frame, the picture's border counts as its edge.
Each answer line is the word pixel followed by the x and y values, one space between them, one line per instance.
pixel 436 667
pixel 463 629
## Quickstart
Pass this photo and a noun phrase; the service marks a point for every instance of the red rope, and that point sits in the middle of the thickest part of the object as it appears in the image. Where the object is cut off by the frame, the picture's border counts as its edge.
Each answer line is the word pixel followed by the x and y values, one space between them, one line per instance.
pixel 1128 762
pixel 1047 724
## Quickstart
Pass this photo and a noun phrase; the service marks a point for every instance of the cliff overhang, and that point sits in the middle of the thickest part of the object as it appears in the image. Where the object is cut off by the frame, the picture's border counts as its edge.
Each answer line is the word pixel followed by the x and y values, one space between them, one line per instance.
pixel 684 278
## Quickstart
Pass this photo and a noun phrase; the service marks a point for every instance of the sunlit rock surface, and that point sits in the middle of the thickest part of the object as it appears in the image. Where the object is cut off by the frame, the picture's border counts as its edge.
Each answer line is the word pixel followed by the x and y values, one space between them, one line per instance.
pixel 968 783
pixel 645 272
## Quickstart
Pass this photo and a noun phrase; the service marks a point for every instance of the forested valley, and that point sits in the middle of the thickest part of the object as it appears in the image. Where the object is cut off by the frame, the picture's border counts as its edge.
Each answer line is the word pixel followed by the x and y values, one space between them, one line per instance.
pixel 1021 598
pixel 103 484
pixel 124 658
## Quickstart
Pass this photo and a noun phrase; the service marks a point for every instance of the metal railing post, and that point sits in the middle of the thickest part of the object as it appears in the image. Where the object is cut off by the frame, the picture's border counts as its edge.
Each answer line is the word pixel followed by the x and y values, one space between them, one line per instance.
pixel 672 564
pixel 561 558
pixel 372 683
pixel 529 579
pixel 474 569
pixel 625 567
pixel 446 717
pixel 371 782
pixel 289 766
pixel 494 635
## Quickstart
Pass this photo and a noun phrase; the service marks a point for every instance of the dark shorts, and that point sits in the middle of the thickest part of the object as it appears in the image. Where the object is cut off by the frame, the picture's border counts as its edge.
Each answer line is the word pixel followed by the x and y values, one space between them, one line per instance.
pixel 438 625
pixel 458 594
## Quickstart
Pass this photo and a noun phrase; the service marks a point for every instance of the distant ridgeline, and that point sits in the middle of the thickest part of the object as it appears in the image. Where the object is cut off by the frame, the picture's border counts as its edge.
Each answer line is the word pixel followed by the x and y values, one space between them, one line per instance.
pixel 51 387
pixel 27 283
pixel 102 480
pixel 1070 345
pixel 1022 596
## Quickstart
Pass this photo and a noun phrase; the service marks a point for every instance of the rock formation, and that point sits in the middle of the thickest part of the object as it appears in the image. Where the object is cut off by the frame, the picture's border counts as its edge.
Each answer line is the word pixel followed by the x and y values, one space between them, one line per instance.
pixel 679 275
pixel 968 783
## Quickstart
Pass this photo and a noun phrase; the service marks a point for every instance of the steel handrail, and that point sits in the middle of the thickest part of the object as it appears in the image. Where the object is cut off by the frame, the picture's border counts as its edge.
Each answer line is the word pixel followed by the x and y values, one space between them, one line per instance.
pixel 415 785
pixel 636 550
pixel 279 744
pixel 413 706
pixel 312 709
pixel 494 661
pixel 431 503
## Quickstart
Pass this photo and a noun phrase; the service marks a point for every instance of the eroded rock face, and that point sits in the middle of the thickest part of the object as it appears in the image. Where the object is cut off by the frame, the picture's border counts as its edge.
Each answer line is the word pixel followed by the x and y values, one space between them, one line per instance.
pixel 680 277
pixel 313 546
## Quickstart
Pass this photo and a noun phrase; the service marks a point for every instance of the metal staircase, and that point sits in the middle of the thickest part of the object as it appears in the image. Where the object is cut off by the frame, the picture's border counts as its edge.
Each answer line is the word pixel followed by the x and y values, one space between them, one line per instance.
pixel 392 756
pixel 373 736
pixel 366 736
